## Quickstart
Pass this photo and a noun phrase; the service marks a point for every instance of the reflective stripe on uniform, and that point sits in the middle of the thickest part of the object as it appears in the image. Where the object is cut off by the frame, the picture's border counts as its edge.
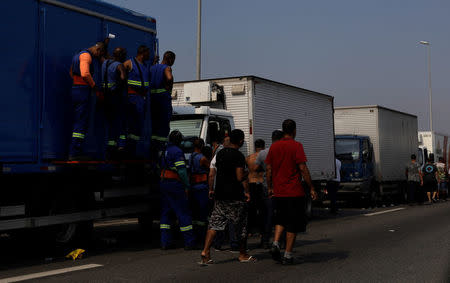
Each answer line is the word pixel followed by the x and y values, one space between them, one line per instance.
pixel 136 83
pixel 199 223
pixel 123 137
pixel 78 135
pixel 133 137
pixel 186 228
pixel 164 226
pixel 112 143
pixel 158 138
pixel 159 90
pixel 179 163
pixel 109 84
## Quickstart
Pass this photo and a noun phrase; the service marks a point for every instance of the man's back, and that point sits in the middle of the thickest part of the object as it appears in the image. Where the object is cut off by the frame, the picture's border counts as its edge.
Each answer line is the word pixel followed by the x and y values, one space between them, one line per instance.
pixel 227 185
pixel 254 175
pixel 284 157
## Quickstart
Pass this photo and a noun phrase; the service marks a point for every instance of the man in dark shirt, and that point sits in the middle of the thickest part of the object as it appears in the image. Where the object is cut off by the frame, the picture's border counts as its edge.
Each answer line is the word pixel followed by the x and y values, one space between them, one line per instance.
pixel 430 178
pixel 286 165
pixel 231 194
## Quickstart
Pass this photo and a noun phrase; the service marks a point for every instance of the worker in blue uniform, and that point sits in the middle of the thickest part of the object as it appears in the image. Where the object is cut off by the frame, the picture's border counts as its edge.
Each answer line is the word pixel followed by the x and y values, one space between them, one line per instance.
pixel 138 86
pixel 114 77
pixel 82 73
pixel 161 107
pixel 174 186
pixel 198 195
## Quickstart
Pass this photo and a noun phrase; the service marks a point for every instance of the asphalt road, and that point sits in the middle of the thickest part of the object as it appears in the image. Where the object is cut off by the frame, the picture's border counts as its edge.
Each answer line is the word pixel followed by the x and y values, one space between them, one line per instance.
pixel 393 244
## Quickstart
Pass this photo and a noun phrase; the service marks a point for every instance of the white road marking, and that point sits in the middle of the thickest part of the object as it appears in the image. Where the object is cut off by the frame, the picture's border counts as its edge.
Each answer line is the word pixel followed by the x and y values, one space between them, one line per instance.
pixel 384 211
pixel 48 273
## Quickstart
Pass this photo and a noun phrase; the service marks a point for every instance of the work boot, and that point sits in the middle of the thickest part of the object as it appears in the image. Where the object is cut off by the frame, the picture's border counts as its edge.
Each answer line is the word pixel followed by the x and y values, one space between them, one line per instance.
pixel 276 253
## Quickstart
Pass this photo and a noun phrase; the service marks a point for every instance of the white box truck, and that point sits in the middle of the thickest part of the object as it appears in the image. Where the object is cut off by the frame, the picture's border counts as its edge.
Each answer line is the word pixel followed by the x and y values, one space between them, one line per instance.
pixel 258 107
pixel 374 144
pixel 435 143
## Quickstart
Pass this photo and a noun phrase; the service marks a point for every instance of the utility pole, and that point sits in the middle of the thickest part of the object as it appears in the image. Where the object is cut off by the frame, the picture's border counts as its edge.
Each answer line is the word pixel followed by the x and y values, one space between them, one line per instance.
pixel 428 45
pixel 199 38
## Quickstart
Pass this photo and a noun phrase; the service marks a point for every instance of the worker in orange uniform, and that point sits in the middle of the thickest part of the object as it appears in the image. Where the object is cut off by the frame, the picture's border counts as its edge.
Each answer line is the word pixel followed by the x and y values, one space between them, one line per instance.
pixel 138 86
pixel 81 72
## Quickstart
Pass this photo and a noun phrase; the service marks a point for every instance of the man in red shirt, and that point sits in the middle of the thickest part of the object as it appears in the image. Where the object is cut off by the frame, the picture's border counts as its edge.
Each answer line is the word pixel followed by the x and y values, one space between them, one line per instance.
pixel 286 165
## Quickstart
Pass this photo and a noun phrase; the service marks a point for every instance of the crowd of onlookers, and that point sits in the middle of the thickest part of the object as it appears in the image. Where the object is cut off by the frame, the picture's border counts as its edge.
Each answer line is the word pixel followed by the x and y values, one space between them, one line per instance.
pixel 427 183
pixel 250 195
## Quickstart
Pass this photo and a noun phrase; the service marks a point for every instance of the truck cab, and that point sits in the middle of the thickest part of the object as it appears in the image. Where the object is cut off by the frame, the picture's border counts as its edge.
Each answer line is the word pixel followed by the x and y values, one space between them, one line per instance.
pixel 204 122
pixel 356 156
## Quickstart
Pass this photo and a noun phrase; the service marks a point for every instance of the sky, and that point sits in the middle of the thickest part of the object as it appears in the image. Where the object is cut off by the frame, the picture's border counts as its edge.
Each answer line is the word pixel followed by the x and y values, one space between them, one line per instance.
pixel 359 51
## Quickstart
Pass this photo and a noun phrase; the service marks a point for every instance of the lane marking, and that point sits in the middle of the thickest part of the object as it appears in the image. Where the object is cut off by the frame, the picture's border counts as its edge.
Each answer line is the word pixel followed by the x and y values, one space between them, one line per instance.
pixel 384 211
pixel 48 273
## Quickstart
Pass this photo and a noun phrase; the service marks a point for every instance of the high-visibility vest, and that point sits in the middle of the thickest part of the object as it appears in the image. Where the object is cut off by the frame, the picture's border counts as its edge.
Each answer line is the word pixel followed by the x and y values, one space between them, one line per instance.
pixel 110 76
pixel 157 79
pixel 76 72
pixel 138 78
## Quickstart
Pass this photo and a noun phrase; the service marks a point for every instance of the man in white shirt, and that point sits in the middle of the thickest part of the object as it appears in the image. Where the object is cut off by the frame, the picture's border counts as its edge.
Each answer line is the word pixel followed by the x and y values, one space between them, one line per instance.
pixel 332 188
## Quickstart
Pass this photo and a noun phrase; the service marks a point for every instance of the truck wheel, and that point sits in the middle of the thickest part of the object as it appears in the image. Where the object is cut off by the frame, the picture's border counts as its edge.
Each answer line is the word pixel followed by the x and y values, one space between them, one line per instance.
pixel 74 233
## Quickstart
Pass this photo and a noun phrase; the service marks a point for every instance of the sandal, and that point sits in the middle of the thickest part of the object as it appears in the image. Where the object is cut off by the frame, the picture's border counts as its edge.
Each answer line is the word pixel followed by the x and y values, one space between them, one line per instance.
pixel 249 259
pixel 205 261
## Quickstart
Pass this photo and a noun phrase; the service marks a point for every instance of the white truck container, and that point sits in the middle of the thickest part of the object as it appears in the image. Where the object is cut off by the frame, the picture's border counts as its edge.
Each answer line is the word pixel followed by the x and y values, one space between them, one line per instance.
pixel 386 138
pixel 435 143
pixel 258 106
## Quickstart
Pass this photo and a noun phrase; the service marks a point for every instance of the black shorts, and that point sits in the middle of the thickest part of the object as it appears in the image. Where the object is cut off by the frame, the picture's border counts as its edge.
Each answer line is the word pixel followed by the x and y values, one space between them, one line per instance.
pixel 430 186
pixel 289 212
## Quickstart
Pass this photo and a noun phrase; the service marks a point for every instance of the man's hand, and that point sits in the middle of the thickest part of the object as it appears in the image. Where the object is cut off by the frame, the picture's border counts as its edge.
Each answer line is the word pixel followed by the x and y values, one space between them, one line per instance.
pixel 247 196
pixel 270 192
pixel 313 194
pixel 211 194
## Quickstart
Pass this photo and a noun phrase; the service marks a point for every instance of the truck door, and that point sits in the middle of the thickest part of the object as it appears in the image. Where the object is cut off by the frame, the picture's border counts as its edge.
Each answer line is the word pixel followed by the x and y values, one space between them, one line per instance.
pixel 218 129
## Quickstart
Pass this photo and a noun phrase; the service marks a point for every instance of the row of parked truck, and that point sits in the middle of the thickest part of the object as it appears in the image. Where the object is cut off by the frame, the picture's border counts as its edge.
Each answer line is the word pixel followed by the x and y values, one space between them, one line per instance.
pixel 39 188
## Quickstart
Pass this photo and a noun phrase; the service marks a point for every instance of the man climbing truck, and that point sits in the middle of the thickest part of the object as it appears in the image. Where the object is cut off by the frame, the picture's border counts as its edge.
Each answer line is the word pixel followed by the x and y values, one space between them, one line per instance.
pixel 40 188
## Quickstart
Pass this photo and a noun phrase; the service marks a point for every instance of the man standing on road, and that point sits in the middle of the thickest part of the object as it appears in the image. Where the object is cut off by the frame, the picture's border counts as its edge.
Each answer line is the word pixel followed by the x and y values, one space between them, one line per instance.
pixel 414 178
pixel 286 165
pixel 430 179
pixel 333 187
pixel 443 179
pixel 231 194
pixel 174 187
pixel 268 207
pixel 255 180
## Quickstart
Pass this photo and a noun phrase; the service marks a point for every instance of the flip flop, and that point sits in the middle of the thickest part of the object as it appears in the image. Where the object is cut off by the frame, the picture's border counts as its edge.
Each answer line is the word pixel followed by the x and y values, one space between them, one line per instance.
pixel 205 261
pixel 249 259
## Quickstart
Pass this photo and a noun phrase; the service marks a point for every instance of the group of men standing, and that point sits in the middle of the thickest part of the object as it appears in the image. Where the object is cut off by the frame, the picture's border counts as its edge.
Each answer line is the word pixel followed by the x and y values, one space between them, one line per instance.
pixel 225 180
pixel 125 86
pixel 430 179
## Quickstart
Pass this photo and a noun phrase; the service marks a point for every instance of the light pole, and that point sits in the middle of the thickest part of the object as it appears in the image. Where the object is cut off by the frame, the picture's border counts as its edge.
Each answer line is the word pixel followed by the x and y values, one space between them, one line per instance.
pixel 199 38
pixel 427 44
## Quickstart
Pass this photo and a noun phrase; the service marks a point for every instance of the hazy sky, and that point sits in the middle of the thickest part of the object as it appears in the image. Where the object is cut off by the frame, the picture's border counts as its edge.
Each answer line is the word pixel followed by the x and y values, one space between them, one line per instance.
pixel 360 51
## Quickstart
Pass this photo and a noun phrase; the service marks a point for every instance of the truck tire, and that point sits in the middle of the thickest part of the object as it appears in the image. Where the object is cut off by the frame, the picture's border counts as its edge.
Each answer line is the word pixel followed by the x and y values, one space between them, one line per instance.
pixel 79 233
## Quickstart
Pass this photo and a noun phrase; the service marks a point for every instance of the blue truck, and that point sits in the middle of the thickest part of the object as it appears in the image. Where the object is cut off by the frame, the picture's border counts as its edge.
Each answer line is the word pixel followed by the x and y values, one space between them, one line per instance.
pixel 38 188
pixel 374 145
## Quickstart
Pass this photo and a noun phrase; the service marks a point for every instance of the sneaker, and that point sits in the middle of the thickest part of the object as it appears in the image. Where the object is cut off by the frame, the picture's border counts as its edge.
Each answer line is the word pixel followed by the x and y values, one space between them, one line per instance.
pixel 275 252
pixel 287 261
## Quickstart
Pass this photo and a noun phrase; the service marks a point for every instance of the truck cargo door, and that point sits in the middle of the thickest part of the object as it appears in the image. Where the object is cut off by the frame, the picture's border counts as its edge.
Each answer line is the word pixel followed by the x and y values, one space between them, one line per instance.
pixel 19 93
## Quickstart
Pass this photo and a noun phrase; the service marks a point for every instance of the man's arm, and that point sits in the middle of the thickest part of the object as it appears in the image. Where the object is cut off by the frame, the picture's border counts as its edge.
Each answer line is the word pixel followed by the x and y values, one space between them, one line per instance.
pixel 269 179
pixel 205 162
pixel 307 177
pixel 122 72
pixel 169 78
pixel 242 176
pixel 128 66
pixel 85 63
pixel 211 179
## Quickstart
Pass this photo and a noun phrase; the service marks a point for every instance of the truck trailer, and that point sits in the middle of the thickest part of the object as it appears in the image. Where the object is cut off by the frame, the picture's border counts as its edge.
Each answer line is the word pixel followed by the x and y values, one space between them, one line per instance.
pixel 433 143
pixel 38 186
pixel 258 106
pixel 374 144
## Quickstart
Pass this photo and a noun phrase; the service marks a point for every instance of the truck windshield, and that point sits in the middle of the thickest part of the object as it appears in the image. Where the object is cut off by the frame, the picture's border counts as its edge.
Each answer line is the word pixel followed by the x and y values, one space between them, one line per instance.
pixel 188 127
pixel 347 149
